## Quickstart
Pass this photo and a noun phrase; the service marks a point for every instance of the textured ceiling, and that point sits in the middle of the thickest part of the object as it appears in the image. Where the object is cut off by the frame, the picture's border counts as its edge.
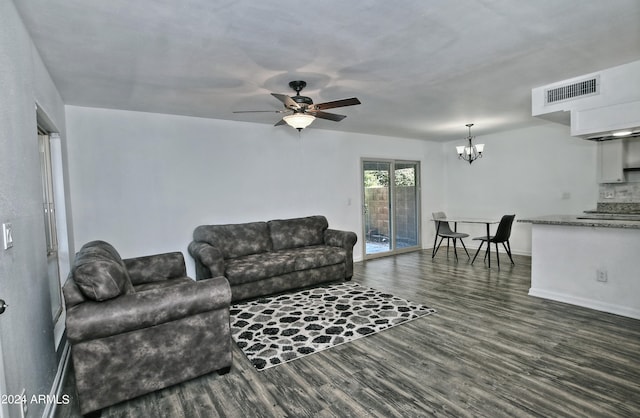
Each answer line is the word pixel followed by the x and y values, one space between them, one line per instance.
pixel 421 68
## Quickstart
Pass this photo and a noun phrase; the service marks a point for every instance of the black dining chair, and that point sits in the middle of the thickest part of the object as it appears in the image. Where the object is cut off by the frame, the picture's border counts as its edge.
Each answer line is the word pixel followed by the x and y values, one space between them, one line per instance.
pixel 444 231
pixel 503 233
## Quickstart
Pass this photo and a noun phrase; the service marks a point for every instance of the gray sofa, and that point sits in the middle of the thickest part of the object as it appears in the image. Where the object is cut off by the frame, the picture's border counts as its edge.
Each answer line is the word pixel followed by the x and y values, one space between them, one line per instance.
pixel 138 325
pixel 262 258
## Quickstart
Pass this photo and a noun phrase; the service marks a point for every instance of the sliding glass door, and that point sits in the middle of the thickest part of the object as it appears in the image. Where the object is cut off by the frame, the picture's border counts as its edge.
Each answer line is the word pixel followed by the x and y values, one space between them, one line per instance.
pixel 391 206
pixel 406 205
pixel 377 206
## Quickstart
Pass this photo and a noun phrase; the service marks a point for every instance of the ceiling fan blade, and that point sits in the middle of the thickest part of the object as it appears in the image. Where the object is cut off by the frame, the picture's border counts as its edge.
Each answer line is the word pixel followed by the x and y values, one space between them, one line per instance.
pixel 260 111
pixel 326 115
pixel 280 122
pixel 337 103
pixel 288 101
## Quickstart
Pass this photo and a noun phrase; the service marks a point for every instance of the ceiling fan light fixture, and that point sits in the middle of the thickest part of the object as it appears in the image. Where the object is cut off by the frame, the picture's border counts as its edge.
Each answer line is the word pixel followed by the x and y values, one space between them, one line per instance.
pixel 299 120
pixel 302 111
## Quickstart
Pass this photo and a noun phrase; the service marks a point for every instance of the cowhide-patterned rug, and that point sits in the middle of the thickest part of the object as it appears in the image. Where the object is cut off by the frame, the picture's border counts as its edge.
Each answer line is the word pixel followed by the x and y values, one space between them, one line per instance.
pixel 278 329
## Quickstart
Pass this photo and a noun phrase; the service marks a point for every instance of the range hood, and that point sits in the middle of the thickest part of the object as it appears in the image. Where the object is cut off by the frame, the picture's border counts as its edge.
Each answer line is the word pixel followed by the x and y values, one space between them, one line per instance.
pixel 599 106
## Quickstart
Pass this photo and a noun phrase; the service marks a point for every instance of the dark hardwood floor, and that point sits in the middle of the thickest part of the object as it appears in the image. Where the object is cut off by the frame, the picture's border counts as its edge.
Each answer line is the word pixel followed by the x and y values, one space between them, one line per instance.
pixel 490 351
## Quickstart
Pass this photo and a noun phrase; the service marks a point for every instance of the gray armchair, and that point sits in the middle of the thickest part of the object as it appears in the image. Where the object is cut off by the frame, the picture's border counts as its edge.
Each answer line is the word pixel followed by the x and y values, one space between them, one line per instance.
pixel 139 325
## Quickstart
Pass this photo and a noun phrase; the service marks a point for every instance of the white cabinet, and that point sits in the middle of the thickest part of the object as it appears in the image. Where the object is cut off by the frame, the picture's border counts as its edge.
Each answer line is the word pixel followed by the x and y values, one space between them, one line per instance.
pixel 610 161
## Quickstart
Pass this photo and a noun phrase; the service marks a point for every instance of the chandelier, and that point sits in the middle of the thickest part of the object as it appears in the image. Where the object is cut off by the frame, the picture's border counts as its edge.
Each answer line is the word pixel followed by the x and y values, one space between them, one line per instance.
pixel 470 152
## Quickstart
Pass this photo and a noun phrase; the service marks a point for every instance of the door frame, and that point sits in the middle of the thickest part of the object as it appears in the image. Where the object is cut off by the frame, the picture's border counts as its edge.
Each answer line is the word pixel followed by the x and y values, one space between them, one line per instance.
pixel 62 255
pixel 4 406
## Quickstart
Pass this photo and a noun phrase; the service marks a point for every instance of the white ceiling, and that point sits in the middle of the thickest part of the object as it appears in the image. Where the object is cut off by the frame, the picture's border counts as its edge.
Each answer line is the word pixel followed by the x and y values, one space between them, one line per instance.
pixel 421 68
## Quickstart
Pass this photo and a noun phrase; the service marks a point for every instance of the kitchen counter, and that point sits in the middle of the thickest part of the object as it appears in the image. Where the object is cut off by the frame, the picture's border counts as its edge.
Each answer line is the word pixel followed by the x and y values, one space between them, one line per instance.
pixel 575 220
pixel 586 262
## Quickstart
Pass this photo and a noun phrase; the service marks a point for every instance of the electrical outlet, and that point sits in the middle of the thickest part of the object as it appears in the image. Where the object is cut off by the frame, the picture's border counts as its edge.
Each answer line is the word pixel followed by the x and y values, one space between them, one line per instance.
pixel 7 235
pixel 601 275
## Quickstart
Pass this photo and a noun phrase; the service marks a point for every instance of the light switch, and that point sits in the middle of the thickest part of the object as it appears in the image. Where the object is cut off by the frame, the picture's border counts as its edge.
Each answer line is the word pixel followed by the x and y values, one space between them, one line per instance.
pixel 7 236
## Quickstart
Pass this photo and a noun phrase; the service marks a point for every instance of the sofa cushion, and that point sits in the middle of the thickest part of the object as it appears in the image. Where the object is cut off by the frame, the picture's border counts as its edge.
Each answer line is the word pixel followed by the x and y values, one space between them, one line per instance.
pixel 298 232
pixel 255 267
pixel 161 283
pixel 72 294
pixel 236 240
pixel 315 256
pixel 99 272
pixel 156 267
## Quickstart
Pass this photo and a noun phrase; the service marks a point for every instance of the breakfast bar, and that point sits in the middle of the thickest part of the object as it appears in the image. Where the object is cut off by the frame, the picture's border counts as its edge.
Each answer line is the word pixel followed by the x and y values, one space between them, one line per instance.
pixel 588 260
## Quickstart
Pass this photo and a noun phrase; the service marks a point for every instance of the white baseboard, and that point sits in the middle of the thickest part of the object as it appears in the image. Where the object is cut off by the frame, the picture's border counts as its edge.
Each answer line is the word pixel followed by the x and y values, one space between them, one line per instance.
pixel 586 303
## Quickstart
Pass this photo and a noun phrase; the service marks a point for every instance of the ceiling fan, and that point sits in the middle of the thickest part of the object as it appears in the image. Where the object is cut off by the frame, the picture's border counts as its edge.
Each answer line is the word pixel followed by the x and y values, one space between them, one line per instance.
pixel 302 111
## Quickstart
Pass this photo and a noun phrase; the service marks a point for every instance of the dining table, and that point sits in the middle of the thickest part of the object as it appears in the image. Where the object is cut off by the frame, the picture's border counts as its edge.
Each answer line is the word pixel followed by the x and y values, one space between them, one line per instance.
pixel 465 220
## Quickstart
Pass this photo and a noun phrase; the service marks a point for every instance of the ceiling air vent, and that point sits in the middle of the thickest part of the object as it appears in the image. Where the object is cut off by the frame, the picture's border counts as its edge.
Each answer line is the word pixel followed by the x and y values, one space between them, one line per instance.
pixel 571 91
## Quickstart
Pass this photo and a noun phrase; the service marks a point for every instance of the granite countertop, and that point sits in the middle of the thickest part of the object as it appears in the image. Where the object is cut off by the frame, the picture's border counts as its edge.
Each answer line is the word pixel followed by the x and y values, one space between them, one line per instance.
pixel 617 207
pixel 573 220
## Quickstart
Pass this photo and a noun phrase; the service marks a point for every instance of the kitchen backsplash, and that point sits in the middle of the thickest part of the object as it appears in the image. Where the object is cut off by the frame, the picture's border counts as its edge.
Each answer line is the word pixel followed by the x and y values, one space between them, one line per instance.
pixel 619 193
pixel 619 198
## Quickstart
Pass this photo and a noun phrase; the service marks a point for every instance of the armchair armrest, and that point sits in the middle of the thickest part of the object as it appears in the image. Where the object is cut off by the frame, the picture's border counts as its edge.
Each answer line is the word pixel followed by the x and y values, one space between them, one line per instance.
pixel 155 267
pixel 209 260
pixel 126 313
pixel 346 240
pixel 336 238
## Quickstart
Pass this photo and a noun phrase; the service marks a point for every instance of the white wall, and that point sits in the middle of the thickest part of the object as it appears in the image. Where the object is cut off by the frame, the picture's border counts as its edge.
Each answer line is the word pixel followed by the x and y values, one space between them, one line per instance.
pixel 530 172
pixel 567 261
pixel 26 329
pixel 144 181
